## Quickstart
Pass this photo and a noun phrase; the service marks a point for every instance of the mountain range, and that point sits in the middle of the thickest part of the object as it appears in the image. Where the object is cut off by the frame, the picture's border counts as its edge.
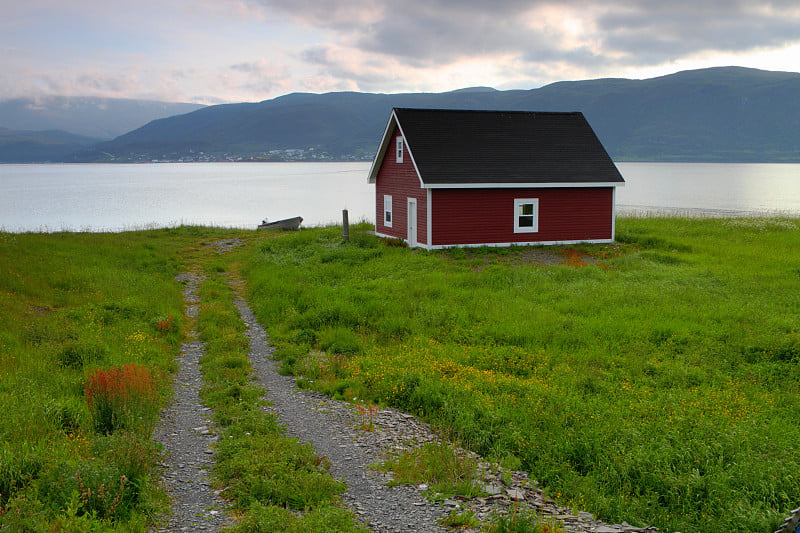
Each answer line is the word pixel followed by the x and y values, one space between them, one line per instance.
pixel 718 114
pixel 51 128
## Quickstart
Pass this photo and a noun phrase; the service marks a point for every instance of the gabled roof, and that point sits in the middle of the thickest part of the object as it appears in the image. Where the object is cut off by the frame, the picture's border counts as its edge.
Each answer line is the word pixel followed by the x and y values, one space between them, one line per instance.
pixel 456 147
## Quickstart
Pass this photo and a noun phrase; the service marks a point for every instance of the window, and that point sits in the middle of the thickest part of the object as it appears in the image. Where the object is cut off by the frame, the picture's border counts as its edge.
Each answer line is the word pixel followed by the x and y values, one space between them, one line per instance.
pixel 398 150
pixel 526 215
pixel 387 211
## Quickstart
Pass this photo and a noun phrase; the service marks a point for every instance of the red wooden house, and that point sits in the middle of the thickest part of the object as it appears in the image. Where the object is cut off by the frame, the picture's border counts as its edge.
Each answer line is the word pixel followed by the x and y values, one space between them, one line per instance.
pixel 470 178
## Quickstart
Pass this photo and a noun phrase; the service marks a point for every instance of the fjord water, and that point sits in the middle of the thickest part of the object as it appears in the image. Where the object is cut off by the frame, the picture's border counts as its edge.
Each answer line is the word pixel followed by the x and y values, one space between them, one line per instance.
pixel 114 197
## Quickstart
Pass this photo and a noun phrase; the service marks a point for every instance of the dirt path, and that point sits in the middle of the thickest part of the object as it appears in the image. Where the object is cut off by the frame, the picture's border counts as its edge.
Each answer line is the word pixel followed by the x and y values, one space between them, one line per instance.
pixel 310 417
pixel 186 433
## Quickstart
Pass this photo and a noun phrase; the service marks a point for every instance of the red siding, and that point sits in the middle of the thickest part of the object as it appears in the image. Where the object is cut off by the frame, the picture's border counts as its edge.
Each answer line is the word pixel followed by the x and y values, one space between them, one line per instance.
pixel 401 182
pixel 482 216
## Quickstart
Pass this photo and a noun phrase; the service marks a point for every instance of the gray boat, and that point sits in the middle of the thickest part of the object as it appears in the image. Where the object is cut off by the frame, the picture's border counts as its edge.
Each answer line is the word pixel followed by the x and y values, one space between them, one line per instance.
pixel 285 224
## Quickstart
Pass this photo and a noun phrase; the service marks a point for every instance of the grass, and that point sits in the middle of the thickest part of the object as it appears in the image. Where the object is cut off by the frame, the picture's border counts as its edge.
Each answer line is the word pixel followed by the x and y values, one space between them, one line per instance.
pixel 91 327
pixel 438 465
pixel 274 483
pixel 87 344
pixel 656 386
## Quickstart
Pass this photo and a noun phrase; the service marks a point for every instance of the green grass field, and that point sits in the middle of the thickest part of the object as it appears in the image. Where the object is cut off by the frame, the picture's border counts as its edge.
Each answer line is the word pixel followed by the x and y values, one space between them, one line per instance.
pixel 91 325
pixel 658 385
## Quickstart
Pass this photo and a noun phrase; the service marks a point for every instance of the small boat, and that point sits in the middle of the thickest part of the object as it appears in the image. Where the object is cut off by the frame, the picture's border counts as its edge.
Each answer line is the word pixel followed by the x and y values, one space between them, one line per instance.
pixel 285 224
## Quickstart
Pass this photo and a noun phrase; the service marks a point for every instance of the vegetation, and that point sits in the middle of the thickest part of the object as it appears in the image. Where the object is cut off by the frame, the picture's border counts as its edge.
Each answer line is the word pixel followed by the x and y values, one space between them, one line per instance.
pixel 655 383
pixel 87 342
pixel 520 520
pixel 438 465
pixel 92 325
pixel 268 478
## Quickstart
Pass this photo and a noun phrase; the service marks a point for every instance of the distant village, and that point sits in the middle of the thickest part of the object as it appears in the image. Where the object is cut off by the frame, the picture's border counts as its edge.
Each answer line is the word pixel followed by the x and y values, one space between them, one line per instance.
pixel 288 154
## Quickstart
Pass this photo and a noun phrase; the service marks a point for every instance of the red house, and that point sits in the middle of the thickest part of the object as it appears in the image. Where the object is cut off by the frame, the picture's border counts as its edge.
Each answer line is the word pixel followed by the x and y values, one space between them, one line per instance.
pixel 448 178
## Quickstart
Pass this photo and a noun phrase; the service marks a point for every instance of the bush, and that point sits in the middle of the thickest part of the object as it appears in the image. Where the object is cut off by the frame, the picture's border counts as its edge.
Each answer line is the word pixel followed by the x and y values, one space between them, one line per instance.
pixel 122 397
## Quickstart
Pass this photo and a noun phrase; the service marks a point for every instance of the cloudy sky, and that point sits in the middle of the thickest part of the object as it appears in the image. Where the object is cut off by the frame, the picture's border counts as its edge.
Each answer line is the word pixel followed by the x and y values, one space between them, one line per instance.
pixel 213 51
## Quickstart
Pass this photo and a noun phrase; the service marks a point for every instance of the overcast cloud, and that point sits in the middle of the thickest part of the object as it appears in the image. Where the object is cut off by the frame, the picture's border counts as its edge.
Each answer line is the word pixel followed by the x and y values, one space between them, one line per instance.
pixel 249 50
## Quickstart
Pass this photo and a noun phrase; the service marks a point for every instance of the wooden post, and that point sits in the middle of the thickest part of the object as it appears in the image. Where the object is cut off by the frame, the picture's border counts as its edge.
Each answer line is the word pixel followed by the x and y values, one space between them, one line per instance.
pixel 345 226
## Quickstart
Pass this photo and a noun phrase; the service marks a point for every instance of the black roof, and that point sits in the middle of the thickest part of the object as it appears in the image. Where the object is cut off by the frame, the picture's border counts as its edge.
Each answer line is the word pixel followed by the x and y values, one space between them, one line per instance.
pixel 471 147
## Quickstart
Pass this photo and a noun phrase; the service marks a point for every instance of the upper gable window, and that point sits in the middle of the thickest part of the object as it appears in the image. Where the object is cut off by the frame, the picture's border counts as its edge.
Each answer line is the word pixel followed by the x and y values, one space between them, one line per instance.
pixel 398 150
pixel 526 215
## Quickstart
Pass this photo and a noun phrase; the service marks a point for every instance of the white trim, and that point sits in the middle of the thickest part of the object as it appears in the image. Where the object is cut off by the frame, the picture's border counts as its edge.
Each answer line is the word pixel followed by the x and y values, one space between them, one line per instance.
pixel 398 149
pixel 410 153
pixel 527 185
pixel 372 176
pixel 387 209
pixel 613 214
pixel 429 217
pixel 499 244
pixel 534 227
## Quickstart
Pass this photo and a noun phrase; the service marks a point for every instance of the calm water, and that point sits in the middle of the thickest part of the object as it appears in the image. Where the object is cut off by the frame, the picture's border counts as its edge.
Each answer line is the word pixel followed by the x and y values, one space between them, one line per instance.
pixel 118 197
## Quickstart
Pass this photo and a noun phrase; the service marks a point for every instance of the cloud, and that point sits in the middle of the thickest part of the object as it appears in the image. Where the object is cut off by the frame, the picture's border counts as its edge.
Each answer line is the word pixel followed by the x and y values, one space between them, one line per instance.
pixel 237 50
pixel 261 75
pixel 419 34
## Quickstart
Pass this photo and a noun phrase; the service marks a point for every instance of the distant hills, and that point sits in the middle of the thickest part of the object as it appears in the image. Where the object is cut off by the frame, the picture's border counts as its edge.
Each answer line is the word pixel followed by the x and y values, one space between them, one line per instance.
pixel 53 127
pixel 20 146
pixel 716 114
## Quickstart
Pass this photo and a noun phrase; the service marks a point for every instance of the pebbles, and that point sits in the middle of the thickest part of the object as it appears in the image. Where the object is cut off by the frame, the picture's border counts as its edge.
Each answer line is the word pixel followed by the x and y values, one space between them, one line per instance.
pixel 185 431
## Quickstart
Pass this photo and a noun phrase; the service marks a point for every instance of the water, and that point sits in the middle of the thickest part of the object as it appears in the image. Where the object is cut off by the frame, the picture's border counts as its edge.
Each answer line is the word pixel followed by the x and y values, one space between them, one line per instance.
pixel 99 197
pixel 119 197
pixel 710 188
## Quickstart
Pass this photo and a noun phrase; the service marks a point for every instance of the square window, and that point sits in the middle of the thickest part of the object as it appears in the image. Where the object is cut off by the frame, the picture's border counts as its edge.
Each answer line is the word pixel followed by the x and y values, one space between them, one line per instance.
pixel 526 215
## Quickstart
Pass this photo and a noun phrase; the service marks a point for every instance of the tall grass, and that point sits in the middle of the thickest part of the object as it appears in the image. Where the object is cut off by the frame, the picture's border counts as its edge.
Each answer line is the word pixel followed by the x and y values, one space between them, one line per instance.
pixel 657 385
pixel 91 326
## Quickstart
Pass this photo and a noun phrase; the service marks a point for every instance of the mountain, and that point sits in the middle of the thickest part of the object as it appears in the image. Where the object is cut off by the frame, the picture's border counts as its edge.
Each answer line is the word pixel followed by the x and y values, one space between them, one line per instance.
pixel 100 118
pixel 716 114
pixel 19 146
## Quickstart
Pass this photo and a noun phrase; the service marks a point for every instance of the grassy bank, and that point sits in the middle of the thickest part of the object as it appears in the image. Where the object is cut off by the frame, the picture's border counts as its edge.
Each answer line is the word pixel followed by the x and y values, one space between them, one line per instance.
pixel 657 385
pixel 91 327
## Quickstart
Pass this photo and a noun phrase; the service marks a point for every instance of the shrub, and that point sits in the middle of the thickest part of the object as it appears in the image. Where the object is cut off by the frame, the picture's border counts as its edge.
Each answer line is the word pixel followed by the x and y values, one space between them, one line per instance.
pixel 77 354
pixel 339 340
pixel 90 488
pixel 122 397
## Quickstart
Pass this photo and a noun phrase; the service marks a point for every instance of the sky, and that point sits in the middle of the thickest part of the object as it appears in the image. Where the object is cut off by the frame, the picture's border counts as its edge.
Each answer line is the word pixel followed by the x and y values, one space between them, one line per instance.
pixel 220 51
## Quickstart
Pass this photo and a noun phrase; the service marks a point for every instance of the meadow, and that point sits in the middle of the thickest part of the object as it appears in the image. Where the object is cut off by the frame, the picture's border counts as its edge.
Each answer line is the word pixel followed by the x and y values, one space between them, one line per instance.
pixel 92 324
pixel 652 381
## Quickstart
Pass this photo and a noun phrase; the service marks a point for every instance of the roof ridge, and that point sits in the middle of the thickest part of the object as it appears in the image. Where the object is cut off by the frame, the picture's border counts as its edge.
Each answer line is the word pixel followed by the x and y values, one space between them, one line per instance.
pixel 516 111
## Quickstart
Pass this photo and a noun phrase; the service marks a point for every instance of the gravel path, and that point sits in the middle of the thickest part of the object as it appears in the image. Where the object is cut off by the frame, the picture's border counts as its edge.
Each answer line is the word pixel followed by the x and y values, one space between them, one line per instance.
pixel 186 434
pixel 332 427
pixel 309 417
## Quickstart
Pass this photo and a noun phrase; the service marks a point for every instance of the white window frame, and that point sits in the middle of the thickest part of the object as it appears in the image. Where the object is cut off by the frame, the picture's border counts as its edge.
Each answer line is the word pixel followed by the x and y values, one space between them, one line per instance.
pixel 518 203
pixel 387 210
pixel 398 150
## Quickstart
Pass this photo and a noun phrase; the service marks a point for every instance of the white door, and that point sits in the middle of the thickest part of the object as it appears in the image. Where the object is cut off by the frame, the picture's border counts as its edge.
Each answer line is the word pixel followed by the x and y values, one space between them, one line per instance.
pixel 411 236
